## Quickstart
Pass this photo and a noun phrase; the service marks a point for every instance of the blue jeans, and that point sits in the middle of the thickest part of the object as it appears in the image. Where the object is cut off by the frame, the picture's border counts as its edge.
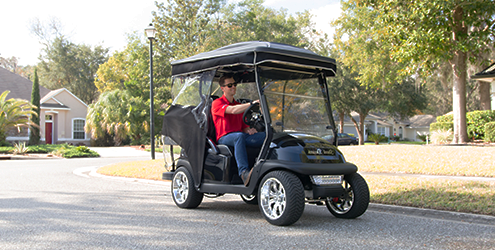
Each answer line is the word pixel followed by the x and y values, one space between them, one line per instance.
pixel 240 141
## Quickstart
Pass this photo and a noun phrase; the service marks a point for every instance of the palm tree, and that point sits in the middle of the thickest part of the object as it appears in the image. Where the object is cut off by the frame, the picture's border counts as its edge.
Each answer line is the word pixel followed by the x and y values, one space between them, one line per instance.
pixel 377 138
pixel 14 113
pixel 118 114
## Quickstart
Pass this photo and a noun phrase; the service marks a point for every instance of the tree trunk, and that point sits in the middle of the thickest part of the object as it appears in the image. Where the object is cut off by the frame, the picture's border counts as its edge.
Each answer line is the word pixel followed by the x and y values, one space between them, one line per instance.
pixel 459 68
pixel 341 121
pixel 360 127
pixel 485 100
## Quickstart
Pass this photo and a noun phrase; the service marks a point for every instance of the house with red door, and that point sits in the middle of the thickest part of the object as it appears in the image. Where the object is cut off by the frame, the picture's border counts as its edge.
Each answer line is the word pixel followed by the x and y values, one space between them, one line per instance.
pixel 62 115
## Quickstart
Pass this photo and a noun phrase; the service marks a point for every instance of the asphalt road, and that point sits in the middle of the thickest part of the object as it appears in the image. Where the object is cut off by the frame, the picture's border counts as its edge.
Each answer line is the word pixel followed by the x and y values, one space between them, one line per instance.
pixel 62 204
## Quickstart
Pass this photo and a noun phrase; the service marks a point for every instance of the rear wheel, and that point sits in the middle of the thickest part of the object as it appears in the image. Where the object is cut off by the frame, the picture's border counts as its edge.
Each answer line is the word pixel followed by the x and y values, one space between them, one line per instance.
pixel 250 199
pixel 183 192
pixel 355 200
pixel 281 198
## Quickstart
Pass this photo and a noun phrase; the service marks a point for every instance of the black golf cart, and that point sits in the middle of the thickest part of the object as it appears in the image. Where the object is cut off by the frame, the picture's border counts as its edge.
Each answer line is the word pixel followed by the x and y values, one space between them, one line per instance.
pixel 294 165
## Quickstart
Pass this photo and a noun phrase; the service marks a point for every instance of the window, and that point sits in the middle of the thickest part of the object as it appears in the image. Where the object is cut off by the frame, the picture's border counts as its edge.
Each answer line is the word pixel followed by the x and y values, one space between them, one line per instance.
pixel 78 129
pixel 380 130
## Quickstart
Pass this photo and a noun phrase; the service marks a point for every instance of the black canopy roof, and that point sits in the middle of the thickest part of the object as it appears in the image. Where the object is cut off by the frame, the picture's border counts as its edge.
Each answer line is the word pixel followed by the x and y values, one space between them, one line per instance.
pixel 255 53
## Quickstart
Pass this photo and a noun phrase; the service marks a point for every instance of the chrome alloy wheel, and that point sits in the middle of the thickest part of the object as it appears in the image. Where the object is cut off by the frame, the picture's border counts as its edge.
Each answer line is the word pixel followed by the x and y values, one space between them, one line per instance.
pixel 342 205
pixel 273 198
pixel 180 187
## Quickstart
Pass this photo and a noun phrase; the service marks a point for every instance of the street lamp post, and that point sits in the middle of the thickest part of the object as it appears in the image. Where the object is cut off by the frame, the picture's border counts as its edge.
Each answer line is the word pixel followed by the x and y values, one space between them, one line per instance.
pixel 150 32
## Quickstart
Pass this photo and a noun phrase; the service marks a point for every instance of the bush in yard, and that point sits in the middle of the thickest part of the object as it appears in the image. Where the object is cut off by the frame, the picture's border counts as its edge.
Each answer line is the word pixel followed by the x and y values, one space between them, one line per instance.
pixel 441 136
pixel 441 126
pixel 68 151
pixel 476 121
pixel 377 138
pixel 446 118
pixel 490 132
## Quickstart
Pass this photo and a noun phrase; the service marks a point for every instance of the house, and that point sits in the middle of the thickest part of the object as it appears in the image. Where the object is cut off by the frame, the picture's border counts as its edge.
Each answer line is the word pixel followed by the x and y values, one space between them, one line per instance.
pixel 382 123
pixel 62 115
pixel 488 75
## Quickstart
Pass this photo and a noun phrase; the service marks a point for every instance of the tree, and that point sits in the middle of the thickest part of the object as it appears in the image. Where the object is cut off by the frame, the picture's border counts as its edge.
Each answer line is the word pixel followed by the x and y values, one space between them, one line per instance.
pixel 14 114
pixel 249 20
pixel 118 114
pixel 71 66
pixel 129 71
pixel 34 136
pixel 423 33
pixel 64 64
pixel 183 26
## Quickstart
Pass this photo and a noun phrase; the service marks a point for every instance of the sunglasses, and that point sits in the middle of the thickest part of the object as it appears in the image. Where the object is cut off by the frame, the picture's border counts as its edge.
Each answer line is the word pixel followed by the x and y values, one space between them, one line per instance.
pixel 230 85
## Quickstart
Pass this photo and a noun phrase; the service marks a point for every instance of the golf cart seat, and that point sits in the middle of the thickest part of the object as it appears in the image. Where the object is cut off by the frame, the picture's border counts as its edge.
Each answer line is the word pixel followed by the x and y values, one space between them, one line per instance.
pixel 220 160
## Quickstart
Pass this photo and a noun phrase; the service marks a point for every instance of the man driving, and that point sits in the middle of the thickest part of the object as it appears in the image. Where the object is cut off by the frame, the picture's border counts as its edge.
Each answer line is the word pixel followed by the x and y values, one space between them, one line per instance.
pixel 231 130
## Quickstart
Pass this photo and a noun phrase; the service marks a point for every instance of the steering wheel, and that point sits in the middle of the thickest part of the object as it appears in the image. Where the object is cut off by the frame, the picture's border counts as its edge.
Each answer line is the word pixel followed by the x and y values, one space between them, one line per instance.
pixel 253 117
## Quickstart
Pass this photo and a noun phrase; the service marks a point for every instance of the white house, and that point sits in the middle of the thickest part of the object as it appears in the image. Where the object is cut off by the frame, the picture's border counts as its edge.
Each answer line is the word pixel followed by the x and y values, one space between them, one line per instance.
pixel 488 75
pixel 62 116
pixel 382 123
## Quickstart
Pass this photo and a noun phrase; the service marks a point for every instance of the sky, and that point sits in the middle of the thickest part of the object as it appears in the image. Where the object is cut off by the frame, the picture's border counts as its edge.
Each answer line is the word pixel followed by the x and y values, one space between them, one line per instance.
pixel 106 22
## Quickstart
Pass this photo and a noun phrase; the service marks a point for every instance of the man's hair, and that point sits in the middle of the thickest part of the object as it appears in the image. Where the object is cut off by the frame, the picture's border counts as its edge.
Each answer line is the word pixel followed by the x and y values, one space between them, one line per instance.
pixel 222 79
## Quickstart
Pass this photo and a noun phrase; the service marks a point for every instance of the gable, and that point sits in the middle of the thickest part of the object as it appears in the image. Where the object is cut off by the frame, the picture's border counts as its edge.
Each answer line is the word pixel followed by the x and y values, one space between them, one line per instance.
pixel 64 97
pixel 18 86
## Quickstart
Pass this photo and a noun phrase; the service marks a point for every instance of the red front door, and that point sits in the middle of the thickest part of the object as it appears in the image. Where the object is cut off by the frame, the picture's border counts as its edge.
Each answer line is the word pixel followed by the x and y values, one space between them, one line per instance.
pixel 48 132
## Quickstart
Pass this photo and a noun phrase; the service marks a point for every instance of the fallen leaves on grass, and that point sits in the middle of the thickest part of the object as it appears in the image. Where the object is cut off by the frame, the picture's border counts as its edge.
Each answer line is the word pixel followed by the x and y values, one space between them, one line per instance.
pixel 453 195
pixel 148 169
pixel 433 160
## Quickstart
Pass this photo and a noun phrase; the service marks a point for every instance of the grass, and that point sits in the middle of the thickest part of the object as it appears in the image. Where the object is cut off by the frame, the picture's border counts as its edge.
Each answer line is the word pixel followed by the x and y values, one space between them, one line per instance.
pixel 433 160
pixel 148 169
pixel 443 194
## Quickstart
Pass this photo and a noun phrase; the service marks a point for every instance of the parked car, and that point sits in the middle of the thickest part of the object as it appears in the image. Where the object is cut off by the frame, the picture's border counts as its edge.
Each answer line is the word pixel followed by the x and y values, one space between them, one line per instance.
pixel 294 165
pixel 346 139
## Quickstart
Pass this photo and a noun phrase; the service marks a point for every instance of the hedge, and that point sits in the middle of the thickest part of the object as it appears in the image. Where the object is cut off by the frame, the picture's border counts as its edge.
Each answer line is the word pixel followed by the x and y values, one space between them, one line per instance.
pixel 445 118
pixel 475 122
pixel 441 126
pixel 490 132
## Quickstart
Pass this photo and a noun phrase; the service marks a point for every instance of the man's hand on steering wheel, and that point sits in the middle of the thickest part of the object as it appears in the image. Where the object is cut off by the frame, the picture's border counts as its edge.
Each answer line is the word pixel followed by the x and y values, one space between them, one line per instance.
pixel 253 117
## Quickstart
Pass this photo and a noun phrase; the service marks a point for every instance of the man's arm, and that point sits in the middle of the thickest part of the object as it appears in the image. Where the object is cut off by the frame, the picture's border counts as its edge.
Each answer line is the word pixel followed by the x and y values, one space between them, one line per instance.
pixel 239 108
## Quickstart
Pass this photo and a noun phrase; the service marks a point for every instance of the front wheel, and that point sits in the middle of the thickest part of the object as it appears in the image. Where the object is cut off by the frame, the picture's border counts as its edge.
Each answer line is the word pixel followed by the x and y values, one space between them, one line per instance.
pixel 250 199
pixel 281 198
pixel 183 192
pixel 355 200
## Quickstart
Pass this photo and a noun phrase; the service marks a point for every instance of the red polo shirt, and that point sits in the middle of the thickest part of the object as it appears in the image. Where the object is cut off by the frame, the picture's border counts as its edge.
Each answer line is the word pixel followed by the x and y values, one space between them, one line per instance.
pixel 226 123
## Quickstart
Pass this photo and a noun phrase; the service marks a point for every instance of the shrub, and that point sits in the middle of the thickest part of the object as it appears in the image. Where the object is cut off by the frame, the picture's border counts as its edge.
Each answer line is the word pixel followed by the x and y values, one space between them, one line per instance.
pixel 423 137
pixel 441 126
pixel 441 136
pixel 20 148
pixel 80 151
pixel 377 138
pixel 476 121
pixel 490 132
pixel 445 118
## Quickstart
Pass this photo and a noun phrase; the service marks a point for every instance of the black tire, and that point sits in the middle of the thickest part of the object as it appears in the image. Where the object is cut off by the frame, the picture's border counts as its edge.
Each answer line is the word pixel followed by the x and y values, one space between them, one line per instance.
pixel 250 199
pixel 183 191
pixel 281 198
pixel 354 202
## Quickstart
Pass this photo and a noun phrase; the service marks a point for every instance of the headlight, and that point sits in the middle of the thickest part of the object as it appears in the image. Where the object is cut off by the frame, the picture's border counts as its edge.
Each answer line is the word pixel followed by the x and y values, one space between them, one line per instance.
pixel 321 180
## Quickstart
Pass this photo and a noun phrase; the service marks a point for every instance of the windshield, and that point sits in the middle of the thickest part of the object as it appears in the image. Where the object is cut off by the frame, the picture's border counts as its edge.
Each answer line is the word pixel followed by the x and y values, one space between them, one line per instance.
pixel 297 105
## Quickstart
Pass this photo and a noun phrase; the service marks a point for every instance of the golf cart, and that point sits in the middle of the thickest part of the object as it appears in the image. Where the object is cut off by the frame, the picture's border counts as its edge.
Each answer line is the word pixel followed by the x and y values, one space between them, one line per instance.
pixel 294 165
